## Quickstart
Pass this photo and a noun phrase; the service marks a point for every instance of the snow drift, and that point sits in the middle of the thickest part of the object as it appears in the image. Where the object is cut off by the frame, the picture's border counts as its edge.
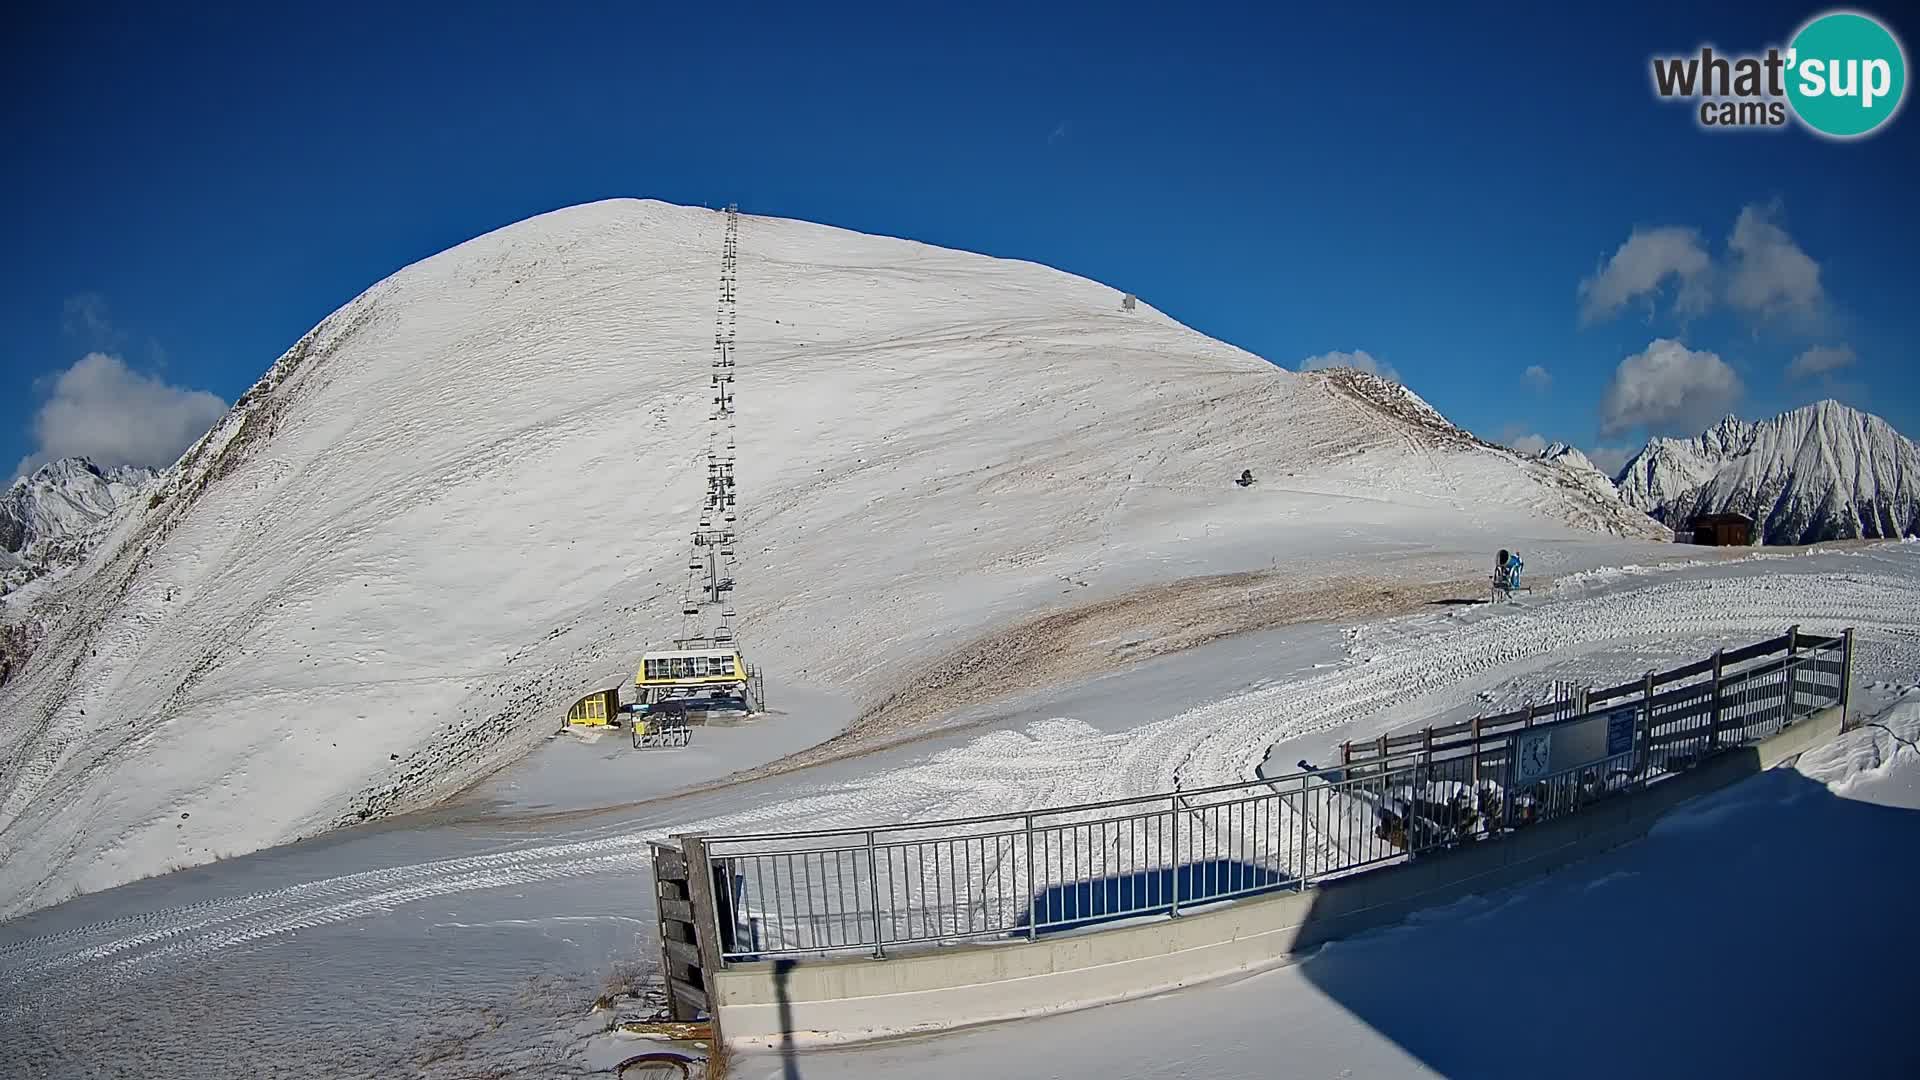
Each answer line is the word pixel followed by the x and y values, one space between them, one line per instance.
pixel 1820 472
pixel 462 500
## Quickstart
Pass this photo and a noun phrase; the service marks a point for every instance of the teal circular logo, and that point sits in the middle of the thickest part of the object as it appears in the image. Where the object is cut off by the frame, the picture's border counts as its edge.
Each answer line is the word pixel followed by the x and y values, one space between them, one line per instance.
pixel 1846 74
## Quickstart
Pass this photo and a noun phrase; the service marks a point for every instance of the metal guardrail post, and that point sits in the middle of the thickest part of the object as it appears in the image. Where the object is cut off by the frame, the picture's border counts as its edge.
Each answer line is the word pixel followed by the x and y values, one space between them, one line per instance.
pixel 1506 786
pixel 1033 896
pixel 1793 675
pixel 1713 718
pixel 1846 678
pixel 1305 793
pixel 1646 728
pixel 1173 813
pixel 873 889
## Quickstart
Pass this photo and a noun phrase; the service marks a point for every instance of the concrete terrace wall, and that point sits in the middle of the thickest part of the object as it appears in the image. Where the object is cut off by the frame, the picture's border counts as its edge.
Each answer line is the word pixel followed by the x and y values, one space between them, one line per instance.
pixel 860 998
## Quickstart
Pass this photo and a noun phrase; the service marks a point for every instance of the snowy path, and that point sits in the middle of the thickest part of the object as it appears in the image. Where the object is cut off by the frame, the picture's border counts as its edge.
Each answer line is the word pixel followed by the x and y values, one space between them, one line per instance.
pixel 430 923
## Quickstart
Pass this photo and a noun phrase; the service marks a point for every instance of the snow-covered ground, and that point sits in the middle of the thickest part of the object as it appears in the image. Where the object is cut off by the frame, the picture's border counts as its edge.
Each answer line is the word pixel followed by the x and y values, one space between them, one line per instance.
pixel 463 499
pixel 1762 931
pixel 474 937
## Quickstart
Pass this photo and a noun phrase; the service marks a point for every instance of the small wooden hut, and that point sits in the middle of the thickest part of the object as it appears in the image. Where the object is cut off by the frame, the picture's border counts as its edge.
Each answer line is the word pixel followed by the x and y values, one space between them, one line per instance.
pixel 1723 530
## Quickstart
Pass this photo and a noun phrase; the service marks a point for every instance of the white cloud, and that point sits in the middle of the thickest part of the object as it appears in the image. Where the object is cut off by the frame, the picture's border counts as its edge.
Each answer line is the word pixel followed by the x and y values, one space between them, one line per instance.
pixel 1359 358
pixel 1537 377
pixel 84 316
pixel 1819 360
pixel 1610 459
pixel 106 411
pixel 1769 274
pixel 1531 443
pixel 1645 263
pixel 1668 388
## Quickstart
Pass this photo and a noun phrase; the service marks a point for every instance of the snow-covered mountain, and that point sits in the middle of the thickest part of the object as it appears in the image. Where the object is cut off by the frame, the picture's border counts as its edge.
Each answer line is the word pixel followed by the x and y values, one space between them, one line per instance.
pixel 1820 472
pixel 47 518
pixel 1570 456
pixel 463 499
pixel 1575 467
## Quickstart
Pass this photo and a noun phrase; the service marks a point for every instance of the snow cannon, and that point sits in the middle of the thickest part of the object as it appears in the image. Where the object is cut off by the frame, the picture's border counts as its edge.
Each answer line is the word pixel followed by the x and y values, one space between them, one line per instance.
pixel 1506 576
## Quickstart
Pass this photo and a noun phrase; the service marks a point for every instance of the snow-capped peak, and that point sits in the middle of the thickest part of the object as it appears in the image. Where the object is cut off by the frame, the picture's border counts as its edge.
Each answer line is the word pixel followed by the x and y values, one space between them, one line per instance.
pixel 1819 472
pixel 1570 456
pixel 63 498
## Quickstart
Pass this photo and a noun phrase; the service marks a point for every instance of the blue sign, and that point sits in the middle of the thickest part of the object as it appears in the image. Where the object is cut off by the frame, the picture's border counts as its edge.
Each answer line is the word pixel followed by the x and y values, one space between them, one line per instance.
pixel 1620 724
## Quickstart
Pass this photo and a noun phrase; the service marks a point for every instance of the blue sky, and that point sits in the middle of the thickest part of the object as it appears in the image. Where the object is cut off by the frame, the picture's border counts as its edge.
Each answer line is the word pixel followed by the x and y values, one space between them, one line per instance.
pixel 186 193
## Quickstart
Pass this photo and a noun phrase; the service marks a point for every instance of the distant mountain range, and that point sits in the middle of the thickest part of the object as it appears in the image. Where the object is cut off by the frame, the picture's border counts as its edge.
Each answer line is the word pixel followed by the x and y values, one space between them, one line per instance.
pixel 1821 472
pixel 47 517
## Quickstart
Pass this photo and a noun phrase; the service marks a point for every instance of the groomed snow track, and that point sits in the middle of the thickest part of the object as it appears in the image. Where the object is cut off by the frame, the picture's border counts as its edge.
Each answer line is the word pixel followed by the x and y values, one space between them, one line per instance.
pixel 1063 760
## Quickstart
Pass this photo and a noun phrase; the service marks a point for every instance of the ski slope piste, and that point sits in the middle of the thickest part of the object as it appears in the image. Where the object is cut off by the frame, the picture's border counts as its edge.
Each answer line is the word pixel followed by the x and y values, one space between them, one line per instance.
pixel 459 502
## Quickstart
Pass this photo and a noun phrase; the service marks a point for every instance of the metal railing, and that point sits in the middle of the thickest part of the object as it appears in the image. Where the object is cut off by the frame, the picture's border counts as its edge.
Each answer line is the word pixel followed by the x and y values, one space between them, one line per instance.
pixel 1048 871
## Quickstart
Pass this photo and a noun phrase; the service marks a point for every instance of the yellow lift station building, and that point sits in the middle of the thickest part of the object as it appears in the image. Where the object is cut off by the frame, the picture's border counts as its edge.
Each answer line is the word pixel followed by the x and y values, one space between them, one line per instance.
pixel 598 709
pixel 700 675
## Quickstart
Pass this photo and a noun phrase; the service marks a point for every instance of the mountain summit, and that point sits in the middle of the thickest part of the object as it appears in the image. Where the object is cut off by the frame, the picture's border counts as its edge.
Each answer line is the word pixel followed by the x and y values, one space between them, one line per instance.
pixel 1821 472
pixel 463 500
pixel 48 517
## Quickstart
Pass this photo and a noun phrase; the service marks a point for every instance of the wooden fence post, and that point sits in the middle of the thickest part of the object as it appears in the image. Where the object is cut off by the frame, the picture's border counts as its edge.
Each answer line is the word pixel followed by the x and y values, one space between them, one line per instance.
pixel 706 918
pixel 1476 757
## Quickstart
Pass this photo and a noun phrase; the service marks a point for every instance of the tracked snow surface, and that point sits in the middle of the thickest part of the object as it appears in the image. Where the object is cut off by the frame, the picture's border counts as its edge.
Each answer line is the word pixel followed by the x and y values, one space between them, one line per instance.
pixel 473 946
pixel 462 500
pixel 1820 472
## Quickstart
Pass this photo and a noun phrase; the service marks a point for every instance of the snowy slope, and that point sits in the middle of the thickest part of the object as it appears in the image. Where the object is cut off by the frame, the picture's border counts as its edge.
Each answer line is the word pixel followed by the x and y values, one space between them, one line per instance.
pixel 46 517
pixel 1583 471
pixel 1820 472
pixel 354 953
pixel 462 500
